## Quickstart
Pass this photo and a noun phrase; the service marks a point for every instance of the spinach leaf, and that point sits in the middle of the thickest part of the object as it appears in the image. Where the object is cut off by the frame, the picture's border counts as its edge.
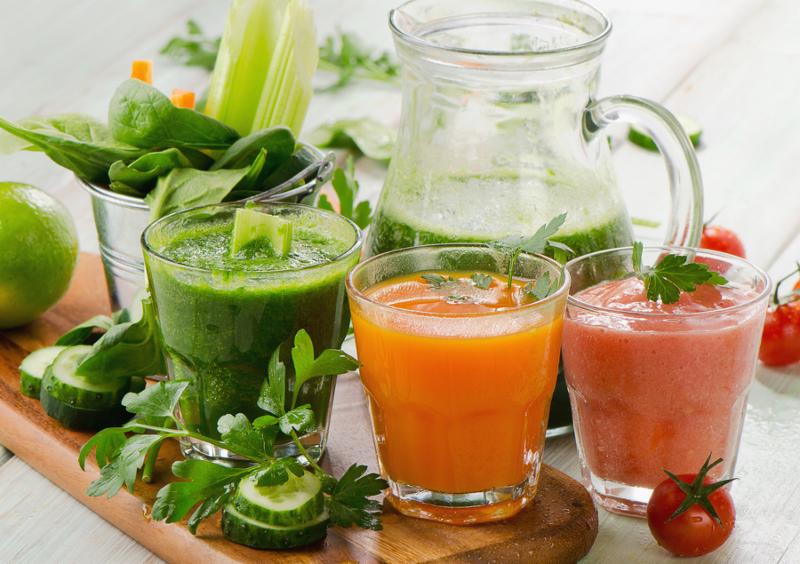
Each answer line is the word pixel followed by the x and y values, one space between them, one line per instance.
pixel 128 349
pixel 76 142
pixel 141 174
pixel 278 142
pixel 371 138
pixel 143 116
pixel 188 187
pixel 84 332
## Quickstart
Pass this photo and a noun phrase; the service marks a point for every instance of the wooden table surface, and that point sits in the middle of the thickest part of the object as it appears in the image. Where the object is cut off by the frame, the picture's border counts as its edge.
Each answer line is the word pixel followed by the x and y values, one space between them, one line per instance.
pixel 732 64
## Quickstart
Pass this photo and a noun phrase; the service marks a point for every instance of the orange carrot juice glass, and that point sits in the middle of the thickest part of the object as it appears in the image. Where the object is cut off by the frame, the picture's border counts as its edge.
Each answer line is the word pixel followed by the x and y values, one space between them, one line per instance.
pixel 459 369
pixel 658 386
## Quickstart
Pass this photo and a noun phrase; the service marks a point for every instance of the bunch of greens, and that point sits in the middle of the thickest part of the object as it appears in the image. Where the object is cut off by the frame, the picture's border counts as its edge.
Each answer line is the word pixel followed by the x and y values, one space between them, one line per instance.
pixel 208 488
pixel 195 49
pixel 671 275
pixel 171 157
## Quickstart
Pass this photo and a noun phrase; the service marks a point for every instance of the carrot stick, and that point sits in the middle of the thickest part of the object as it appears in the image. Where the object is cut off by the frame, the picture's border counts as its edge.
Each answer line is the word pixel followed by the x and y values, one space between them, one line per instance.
pixel 143 70
pixel 182 98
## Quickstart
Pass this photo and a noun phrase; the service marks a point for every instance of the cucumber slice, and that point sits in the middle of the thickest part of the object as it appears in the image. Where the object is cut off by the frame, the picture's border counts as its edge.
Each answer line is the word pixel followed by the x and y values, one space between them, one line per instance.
pixel 299 500
pixel 82 419
pixel 250 532
pixel 63 383
pixel 249 225
pixel 691 127
pixel 33 367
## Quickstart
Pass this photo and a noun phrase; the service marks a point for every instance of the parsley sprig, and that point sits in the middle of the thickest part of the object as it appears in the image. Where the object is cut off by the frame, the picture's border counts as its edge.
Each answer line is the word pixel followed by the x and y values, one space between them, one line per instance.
pixel 537 243
pixel 671 275
pixel 344 54
pixel 346 187
pixel 122 451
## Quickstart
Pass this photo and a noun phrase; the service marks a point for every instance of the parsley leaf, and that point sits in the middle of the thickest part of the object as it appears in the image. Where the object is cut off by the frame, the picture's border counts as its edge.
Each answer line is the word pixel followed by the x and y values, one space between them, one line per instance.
pixel 155 401
pixel 273 391
pixel 122 470
pixel 482 281
pixel 331 362
pixel 346 187
pixel 537 243
pixel 671 275
pixel 436 280
pixel 209 483
pixel 344 54
pixel 238 433
pixel 278 472
pixel 194 50
pixel 107 443
pixel 542 288
pixel 349 503
pixel 299 419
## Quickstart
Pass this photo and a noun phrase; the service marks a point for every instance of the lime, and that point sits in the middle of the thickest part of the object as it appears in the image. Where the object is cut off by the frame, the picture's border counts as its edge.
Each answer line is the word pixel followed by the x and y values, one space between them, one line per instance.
pixel 38 250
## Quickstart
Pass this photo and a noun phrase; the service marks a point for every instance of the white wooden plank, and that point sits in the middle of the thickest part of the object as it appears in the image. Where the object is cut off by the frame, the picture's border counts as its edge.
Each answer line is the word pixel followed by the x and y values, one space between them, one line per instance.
pixel 41 523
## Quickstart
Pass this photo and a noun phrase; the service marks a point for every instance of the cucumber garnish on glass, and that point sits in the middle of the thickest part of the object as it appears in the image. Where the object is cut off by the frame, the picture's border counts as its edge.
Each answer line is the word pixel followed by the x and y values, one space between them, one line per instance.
pixel 274 503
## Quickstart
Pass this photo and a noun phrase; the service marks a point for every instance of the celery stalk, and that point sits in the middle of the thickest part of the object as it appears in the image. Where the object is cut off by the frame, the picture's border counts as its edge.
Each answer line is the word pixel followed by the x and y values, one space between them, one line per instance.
pixel 265 66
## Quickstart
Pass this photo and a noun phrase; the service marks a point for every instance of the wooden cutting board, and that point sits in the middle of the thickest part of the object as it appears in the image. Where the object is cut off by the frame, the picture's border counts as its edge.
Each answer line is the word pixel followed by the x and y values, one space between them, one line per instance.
pixel 559 527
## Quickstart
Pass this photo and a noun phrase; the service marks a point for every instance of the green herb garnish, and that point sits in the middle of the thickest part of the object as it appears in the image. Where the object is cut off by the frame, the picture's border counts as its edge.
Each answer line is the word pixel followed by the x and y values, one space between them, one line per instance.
pixel 671 275
pixel 437 281
pixel 482 281
pixel 208 487
pixel 346 187
pixel 345 55
pixel 542 288
pixel 195 49
pixel 534 244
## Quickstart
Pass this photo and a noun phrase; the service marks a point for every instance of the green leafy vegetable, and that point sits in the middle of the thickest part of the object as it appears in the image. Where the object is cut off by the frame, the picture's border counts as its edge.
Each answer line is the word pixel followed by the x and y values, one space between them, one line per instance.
pixel 346 56
pixel 350 503
pixel 672 275
pixel 542 288
pixel 368 136
pixel 187 187
pixel 140 176
pixel 537 243
pixel 122 451
pixel 482 281
pixel 86 331
pixel 126 350
pixel 346 187
pixel 194 50
pixel 144 117
pixel 76 142
pixel 436 280
pixel 278 142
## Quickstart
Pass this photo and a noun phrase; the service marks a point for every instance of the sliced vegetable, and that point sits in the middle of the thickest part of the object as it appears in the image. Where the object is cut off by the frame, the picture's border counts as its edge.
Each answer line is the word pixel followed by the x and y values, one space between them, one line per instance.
pixel 182 98
pixel 33 368
pixel 298 500
pixel 266 61
pixel 75 401
pixel 142 69
pixel 250 225
pixel 253 533
pixel 143 116
pixel 691 127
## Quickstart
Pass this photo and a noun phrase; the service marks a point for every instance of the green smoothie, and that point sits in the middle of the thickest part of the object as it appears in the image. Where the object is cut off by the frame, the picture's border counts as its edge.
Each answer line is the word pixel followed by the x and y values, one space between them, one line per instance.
pixel 222 315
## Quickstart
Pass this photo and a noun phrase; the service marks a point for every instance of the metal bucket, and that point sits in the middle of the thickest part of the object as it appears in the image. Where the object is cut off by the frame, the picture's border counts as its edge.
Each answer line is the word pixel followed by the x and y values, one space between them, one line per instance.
pixel 120 221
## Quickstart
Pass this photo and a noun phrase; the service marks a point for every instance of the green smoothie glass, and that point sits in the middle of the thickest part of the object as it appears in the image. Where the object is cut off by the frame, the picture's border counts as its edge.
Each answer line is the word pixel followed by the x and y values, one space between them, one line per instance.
pixel 222 315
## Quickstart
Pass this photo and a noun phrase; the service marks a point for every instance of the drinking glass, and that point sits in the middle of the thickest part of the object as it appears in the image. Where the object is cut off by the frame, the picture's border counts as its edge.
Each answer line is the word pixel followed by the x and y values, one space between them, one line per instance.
pixel 221 325
pixel 663 387
pixel 459 401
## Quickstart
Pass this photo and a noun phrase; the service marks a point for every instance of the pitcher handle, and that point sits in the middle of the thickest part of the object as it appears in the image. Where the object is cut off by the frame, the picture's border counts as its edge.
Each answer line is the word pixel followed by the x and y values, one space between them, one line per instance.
pixel 685 182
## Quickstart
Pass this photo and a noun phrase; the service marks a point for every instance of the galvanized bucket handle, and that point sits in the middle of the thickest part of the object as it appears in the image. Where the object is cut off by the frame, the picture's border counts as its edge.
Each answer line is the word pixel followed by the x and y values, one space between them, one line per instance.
pixel 312 177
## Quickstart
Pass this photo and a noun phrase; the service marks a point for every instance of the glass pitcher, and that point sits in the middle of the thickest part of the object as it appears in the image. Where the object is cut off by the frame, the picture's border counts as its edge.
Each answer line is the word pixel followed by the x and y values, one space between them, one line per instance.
pixel 500 132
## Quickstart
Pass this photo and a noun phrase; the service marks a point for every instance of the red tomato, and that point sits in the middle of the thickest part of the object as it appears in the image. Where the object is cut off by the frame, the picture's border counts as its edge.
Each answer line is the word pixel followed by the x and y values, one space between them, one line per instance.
pixel 780 340
pixel 721 239
pixel 694 531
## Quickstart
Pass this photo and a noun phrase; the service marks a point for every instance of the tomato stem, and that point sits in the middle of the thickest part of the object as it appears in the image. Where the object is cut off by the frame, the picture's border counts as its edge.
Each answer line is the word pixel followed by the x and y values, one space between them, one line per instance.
pixel 697 492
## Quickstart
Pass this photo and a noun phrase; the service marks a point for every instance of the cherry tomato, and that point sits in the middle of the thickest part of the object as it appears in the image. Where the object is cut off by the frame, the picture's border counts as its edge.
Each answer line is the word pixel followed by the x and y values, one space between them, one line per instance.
pixel 696 529
pixel 780 340
pixel 717 238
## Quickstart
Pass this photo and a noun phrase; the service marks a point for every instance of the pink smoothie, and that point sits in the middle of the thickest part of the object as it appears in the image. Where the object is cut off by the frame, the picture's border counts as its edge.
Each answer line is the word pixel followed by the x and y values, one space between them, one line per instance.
pixel 661 390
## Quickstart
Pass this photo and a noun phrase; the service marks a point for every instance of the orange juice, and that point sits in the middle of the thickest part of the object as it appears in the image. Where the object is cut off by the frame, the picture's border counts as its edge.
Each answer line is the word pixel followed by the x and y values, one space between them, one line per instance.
pixel 459 379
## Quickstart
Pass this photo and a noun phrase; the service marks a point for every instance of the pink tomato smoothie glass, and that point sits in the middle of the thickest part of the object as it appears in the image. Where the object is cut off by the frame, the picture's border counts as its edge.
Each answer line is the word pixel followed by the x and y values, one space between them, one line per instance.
pixel 655 385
